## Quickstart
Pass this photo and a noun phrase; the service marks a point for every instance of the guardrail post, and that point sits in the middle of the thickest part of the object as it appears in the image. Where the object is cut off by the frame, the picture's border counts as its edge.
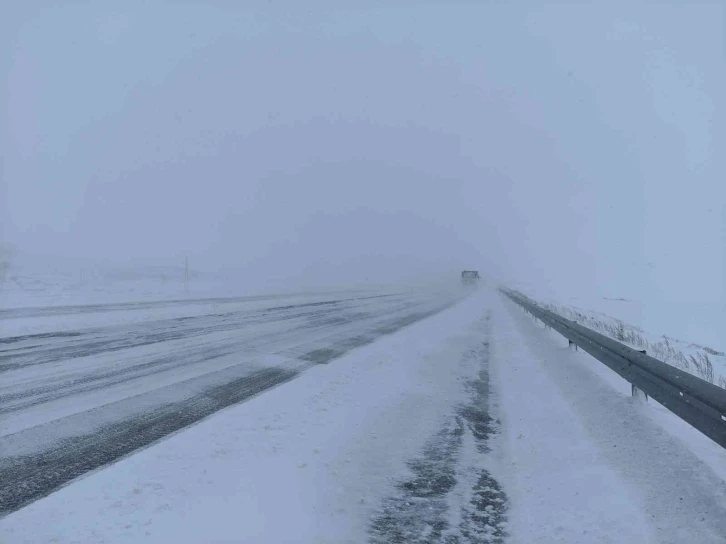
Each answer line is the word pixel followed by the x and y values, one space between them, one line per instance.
pixel 696 401
pixel 637 393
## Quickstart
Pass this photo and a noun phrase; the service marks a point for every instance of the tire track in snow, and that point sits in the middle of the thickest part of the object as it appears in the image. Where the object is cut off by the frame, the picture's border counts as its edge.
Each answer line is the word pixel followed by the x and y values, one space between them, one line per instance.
pixel 449 498
pixel 95 341
pixel 43 462
pixel 27 478
pixel 208 347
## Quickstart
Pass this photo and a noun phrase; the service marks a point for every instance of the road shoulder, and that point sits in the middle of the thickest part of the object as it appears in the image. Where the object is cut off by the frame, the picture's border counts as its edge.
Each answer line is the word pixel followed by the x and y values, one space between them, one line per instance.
pixel 586 462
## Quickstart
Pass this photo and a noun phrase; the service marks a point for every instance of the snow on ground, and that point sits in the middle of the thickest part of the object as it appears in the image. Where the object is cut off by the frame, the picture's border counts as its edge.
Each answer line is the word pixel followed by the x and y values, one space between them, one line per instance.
pixel 562 489
pixel 34 281
pixel 588 462
pixel 306 462
pixel 688 335
pixel 50 283
pixel 681 315
pixel 39 320
pixel 51 376
pixel 378 441
pixel 31 288
pixel 112 292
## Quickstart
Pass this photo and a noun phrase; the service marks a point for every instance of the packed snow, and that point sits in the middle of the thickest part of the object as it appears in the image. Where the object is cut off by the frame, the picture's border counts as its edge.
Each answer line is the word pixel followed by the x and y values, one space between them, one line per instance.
pixel 339 453
pixel 318 453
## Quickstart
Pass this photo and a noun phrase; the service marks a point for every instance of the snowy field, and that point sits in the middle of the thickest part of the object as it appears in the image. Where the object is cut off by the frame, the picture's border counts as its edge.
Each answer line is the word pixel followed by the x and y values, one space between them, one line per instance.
pixel 686 335
pixel 27 284
pixel 60 284
pixel 473 425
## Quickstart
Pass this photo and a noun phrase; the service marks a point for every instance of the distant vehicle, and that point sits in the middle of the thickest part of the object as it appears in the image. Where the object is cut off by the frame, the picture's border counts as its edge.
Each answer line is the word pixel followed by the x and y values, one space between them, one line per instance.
pixel 469 276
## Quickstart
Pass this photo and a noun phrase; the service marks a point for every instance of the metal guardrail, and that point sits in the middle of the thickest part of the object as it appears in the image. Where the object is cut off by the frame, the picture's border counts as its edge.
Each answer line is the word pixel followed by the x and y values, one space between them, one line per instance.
pixel 694 400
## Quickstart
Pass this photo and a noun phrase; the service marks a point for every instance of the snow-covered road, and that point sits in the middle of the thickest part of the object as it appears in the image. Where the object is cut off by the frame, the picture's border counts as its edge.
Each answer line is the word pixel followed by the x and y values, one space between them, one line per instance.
pixel 74 399
pixel 472 425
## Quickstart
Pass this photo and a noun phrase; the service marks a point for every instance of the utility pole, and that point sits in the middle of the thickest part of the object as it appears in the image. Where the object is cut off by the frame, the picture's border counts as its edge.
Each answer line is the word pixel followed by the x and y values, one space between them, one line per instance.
pixel 186 273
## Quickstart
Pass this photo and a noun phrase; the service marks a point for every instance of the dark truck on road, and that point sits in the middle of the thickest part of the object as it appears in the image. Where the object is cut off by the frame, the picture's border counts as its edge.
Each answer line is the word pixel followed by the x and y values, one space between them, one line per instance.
pixel 469 276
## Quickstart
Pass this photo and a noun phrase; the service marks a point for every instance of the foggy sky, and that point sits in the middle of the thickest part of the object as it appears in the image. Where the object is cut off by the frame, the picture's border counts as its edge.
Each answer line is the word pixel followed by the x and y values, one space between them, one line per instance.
pixel 572 148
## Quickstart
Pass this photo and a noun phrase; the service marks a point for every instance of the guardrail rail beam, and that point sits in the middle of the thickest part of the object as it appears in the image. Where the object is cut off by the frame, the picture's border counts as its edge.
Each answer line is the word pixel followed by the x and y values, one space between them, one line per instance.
pixel 696 401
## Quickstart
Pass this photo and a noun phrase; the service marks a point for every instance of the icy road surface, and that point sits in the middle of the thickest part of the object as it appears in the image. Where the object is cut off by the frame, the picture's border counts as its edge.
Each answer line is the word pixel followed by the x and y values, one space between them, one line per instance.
pixel 74 397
